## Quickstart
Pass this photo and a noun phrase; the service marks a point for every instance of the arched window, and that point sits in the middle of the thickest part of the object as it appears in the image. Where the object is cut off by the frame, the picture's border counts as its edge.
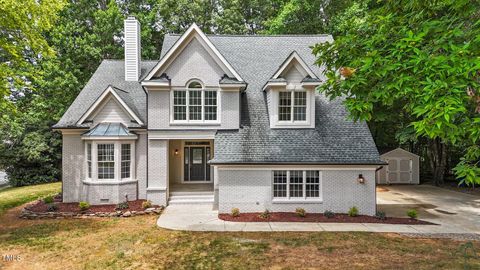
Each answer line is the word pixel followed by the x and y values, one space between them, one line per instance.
pixel 195 104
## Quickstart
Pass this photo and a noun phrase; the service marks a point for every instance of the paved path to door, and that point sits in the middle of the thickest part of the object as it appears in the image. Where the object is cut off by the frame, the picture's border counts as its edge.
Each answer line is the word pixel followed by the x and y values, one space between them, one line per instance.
pixel 434 204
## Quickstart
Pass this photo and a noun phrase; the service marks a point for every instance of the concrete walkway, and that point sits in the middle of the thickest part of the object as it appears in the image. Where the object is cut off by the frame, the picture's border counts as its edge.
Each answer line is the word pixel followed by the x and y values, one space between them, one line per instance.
pixel 203 218
pixel 455 213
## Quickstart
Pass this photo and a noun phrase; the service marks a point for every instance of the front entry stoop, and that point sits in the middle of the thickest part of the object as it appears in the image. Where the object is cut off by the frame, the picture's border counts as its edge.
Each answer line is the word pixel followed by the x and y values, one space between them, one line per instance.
pixel 191 197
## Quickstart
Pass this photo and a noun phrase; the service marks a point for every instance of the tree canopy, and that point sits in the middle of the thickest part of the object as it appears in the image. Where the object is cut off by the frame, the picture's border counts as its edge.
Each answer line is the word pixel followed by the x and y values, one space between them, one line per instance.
pixel 423 60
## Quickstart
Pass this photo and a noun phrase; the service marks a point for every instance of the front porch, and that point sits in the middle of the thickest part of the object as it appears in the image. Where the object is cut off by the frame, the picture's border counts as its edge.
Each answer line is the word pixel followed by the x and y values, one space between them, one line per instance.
pixel 190 179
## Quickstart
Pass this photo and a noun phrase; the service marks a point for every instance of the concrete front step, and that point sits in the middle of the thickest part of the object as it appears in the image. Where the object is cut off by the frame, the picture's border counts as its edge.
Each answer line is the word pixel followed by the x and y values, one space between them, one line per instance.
pixel 191 198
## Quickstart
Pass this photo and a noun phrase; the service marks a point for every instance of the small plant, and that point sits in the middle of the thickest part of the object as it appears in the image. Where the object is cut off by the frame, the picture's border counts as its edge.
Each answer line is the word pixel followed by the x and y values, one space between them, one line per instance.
pixel 146 204
pixel 83 206
pixel 301 212
pixel 265 214
pixel 235 212
pixel 48 199
pixel 122 206
pixel 381 215
pixel 52 207
pixel 412 213
pixel 329 214
pixel 353 211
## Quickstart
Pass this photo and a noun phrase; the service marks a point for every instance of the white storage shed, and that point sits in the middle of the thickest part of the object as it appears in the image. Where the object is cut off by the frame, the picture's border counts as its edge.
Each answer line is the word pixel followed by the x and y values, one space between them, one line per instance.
pixel 403 168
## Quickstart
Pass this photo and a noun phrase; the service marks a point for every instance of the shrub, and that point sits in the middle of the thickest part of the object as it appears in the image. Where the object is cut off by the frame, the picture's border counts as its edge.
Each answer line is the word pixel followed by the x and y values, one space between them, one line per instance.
pixel 83 206
pixel 48 199
pixel 328 214
pixel 235 212
pixel 265 214
pixel 146 204
pixel 52 207
pixel 122 206
pixel 301 212
pixel 381 215
pixel 353 211
pixel 412 213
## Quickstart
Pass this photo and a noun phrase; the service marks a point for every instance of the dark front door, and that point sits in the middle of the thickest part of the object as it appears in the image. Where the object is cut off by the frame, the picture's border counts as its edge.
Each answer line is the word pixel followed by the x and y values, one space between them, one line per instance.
pixel 197 164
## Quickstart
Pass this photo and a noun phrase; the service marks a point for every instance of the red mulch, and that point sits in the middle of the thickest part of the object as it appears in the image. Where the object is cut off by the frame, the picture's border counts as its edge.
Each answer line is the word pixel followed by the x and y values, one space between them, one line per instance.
pixel 40 207
pixel 338 218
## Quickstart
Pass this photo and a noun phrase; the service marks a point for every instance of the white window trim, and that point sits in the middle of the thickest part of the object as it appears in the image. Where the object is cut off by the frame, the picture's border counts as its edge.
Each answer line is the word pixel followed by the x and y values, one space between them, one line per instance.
pixel 275 102
pixel 117 161
pixel 187 96
pixel 303 199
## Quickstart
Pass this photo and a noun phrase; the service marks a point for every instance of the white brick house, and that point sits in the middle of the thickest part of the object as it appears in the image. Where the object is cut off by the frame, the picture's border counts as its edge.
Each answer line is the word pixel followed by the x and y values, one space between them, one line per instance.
pixel 233 121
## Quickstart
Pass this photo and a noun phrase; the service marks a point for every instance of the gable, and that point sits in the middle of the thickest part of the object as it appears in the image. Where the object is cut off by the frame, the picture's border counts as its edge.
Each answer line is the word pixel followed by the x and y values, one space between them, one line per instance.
pixel 194 62
pixel 399 152
pixel 294 73
pixel 110 111
pixel 193 32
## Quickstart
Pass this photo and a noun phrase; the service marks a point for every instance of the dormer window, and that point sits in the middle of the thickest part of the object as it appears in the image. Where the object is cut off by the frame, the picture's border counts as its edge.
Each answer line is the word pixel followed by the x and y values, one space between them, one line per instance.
pixel 195 104
pixel 292 106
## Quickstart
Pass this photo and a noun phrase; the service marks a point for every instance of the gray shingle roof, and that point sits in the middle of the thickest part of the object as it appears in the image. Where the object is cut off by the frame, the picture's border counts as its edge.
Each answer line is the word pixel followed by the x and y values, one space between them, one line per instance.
pixel 110 72
pixel 335 139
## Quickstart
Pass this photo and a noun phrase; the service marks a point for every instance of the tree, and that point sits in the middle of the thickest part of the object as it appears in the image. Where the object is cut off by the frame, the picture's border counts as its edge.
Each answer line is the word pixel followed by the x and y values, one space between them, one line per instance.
pixel 246 16
pixel 423 58
pixel 308 17
pixel 22 44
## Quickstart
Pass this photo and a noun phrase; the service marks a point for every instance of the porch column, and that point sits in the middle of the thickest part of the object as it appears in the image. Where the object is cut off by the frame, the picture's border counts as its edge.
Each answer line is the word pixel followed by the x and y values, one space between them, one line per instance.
pixel 215 187
pixel 157 186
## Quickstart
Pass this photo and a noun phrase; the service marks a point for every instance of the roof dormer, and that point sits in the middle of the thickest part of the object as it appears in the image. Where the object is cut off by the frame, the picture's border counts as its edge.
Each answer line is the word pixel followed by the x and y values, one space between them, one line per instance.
pixel 291 94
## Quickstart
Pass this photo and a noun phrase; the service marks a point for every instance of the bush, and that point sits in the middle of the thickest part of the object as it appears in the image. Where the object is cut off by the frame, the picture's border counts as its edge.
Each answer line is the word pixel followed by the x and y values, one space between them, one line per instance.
pixel 48 199
pixel 265 214
pixel 381 215
pixel 83 206
pixel 301 212
pixel 353 212
pixel 146 204
pixel 412 213
pixel 329 214
pixel 52 207
pixel 122 206
pixel 235 212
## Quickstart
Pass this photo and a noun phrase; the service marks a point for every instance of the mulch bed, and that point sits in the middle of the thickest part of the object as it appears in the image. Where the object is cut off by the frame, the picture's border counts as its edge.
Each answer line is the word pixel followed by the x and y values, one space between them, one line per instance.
pixel 313 217
pixel 41 207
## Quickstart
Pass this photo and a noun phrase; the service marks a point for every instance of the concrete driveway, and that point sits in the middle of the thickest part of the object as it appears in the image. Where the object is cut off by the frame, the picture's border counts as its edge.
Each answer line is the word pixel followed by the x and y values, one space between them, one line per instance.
pixel 456 212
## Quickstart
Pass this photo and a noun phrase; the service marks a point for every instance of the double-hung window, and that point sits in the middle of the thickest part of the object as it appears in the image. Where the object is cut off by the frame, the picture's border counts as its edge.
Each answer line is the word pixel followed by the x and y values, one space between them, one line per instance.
pixel 195 104
pixel 297 185
pixel 106 161
pixel 292 106
pixel 89 160
pixel 126 160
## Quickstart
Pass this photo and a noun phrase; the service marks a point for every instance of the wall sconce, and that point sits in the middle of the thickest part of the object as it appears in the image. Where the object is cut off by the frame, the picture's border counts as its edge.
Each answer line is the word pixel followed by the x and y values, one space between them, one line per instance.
pixel 360 179
pixel 176 152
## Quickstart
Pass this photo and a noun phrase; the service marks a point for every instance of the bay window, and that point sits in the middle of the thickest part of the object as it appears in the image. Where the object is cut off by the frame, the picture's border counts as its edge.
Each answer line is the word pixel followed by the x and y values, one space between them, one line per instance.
pixel 296 185
pixel 109 161
pixel 195 104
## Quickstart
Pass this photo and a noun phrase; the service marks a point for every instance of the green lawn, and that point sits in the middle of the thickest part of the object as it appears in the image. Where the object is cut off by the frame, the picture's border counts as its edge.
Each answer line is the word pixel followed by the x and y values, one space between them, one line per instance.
pixel 137 243
pixel 15 196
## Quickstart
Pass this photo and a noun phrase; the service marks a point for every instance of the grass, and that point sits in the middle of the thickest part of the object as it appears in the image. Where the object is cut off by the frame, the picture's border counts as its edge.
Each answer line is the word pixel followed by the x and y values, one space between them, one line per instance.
pixel 14 196
pixel 136 243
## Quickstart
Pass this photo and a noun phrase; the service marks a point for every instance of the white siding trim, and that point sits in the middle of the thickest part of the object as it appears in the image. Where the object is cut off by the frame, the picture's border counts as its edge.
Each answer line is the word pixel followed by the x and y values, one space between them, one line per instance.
pixel 287 62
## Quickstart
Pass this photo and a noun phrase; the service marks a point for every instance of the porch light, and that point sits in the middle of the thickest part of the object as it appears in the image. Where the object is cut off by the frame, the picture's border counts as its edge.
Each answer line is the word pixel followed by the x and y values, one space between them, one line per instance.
pixel 360 179
pixel 176 151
